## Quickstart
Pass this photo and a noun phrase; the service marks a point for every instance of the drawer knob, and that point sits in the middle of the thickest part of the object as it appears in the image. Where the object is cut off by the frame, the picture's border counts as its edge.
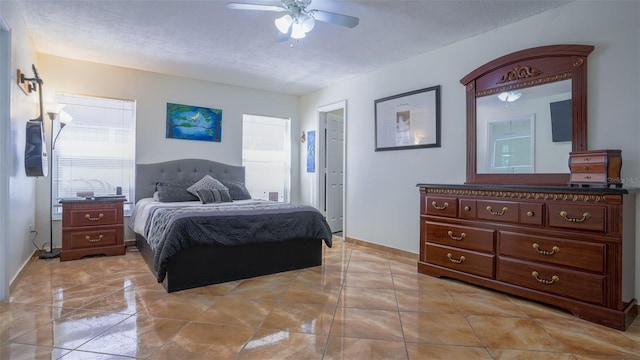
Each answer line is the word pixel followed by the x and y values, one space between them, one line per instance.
pixel 497 213
pixel 554 278
pixel 89 239
pixel 455 261
pixel 467 208
pixel 453 237
pixel 554 249
pixel 566 217
pixel 88 217
pixel 444 206
pixel 530 213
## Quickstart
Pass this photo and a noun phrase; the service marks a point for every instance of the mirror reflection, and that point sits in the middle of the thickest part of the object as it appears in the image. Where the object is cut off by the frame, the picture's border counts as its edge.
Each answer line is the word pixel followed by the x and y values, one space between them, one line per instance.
pixel 525 130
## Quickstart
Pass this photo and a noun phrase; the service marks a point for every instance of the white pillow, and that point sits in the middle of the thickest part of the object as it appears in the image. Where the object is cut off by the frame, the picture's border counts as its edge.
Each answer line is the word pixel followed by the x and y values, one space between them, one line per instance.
pixel 206 183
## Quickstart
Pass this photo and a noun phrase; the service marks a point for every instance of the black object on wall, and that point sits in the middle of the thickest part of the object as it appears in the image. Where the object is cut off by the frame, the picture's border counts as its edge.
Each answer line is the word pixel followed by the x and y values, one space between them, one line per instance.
pixel 561 120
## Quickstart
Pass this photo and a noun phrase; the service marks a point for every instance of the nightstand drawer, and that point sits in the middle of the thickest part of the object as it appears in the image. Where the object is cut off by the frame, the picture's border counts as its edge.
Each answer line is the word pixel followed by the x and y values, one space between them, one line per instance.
pixel 84 238
pixel 92 217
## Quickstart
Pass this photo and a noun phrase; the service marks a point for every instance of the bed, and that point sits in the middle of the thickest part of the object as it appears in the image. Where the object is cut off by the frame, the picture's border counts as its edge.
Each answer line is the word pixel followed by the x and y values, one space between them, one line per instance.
pixel 244 238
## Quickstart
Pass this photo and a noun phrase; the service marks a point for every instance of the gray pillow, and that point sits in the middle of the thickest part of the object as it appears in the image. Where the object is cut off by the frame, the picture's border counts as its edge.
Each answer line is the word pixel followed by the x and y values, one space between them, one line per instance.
pixel 237 190
pixel 207 182
pixel 208 196
pixel 172 191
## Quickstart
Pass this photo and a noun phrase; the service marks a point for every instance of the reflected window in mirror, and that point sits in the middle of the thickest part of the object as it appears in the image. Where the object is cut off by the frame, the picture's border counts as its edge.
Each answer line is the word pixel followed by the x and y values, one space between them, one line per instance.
pixel 531 124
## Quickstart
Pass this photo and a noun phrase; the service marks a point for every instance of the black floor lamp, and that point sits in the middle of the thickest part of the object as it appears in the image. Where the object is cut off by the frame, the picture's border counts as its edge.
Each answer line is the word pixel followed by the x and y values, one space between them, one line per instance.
pixel 63 118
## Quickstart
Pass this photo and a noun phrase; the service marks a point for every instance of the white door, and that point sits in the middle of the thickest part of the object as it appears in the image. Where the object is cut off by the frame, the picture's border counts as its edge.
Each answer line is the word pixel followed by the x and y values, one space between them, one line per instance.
pixel 5 129
pixel 334 169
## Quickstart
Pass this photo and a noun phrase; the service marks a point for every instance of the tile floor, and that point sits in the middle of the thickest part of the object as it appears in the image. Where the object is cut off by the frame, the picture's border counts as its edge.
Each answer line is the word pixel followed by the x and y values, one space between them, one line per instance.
pixel 360 304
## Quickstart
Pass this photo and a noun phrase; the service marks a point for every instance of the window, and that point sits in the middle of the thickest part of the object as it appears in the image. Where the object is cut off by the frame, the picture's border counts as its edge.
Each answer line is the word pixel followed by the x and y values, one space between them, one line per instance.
pixel 96 151
pixel 266 156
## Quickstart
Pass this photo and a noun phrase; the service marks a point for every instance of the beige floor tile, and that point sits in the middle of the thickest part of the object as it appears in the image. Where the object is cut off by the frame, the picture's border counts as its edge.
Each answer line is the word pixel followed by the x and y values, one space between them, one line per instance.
pixel 205 341
pixel 509 354
pixel 513 333
pixel 584 338
pixel 486 303
pixel 417 281
pixel 446 352
pixel 365 298
pixel 367 324
pixel 426 301
pixel 280 344
pixel 436 328
pixel 12 351
pixel 344 348
pixel 299 317
pixel 368 280
pixel 369 266
pixel 136 336
pixel 237 311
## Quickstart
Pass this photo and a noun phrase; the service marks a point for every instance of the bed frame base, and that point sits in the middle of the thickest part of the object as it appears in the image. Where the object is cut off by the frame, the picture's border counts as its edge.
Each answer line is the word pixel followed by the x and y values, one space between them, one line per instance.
pixel 207 265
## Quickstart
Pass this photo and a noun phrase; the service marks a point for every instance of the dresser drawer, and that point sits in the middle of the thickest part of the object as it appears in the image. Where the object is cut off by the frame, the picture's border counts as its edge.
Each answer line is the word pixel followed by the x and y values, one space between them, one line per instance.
pixel 503 211
pixel 441 206
pixel 96 216
pixel 92 237
pixel 588 167
pixel 460 236
pixel 531 213
pixel 587 158
pixel 462 260
pixel 468 209
pixel 579 217
pixel 581 255
pixel 572 284
pixel 582 177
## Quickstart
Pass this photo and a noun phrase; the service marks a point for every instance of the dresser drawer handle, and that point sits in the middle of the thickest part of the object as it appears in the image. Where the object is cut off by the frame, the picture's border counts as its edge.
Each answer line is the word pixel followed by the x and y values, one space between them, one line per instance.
pixel 467 208
pixel 88 217
pixel 435 205
pixel 497 213
pixel 565 216
pixel 89 239
pixel 455 260
pixel 587 177
pixel 461 237
pixel 530 213
pixel 554 250
pixel 554 278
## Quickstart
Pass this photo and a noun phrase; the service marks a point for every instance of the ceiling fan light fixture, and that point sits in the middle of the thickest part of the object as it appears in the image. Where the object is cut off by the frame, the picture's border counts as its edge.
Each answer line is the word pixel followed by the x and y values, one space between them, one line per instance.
pixel 509 96
pixel 283 23
pixel 297 32
pixel 307 22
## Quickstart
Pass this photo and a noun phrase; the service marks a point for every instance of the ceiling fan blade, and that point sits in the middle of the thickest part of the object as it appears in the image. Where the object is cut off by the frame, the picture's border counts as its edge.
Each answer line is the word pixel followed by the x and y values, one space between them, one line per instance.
pixel 334 18
pixel 261 7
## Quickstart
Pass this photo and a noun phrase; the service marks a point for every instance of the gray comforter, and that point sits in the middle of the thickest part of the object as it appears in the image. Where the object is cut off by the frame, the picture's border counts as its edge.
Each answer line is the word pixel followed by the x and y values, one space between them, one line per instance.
pixel 170 229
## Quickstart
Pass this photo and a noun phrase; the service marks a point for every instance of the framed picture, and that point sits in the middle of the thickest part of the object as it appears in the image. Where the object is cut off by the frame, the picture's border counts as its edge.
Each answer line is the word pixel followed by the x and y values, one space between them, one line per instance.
pixel 193 123
pixel 311 151
pixel 408 121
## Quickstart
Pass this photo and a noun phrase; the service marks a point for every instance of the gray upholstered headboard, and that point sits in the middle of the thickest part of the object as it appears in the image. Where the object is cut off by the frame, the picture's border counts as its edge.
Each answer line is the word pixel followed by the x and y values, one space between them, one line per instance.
pixel 147 175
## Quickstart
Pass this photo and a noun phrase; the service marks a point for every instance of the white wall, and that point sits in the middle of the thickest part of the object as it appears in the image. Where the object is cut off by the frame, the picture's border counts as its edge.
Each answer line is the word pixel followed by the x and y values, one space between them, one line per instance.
pixel 152 91
pixel 21 193
pixel 382 198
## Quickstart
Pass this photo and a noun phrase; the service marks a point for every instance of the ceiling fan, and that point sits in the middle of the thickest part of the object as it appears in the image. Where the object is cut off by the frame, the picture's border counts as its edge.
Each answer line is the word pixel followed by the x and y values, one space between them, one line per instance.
pixel 298 21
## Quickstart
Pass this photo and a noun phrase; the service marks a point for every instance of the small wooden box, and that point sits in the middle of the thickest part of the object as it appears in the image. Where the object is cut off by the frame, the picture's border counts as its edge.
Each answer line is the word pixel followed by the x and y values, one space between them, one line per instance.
pixel 597 167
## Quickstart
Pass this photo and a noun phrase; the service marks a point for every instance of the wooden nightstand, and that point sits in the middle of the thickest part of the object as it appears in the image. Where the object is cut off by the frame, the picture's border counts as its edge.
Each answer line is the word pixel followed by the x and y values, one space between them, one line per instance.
pixel 92 227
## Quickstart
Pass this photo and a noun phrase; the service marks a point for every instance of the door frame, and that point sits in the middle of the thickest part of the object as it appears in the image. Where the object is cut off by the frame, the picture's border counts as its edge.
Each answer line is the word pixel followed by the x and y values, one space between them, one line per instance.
pixel 5 130
pixel 321 144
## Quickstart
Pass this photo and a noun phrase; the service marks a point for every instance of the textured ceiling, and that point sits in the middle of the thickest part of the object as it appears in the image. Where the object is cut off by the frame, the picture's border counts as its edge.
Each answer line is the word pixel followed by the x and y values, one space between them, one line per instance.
pixel 205 40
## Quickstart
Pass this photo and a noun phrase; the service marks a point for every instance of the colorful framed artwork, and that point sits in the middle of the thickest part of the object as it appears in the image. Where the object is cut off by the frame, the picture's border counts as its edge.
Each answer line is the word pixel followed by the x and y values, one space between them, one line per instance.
pixel 408 121
pixel 193 123
pixel 311 151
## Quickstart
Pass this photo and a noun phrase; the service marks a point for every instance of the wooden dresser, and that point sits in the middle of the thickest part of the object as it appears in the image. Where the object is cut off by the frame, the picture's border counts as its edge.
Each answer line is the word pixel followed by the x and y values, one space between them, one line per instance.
pixel 92 227
pixel 565 246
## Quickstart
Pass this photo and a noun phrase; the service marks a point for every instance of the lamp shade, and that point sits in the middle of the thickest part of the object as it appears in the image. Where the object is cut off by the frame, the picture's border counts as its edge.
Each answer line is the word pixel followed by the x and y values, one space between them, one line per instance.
pixel 283 23
pixel 296 31
pixel 64 117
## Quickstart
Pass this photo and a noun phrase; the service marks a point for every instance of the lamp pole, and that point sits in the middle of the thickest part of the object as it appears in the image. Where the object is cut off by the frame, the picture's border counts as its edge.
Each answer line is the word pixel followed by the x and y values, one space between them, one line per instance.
pixel 51 254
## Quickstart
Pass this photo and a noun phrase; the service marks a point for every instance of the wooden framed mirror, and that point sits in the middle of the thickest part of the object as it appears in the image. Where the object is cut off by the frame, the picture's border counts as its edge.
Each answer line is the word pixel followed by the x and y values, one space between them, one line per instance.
pixel 548 86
